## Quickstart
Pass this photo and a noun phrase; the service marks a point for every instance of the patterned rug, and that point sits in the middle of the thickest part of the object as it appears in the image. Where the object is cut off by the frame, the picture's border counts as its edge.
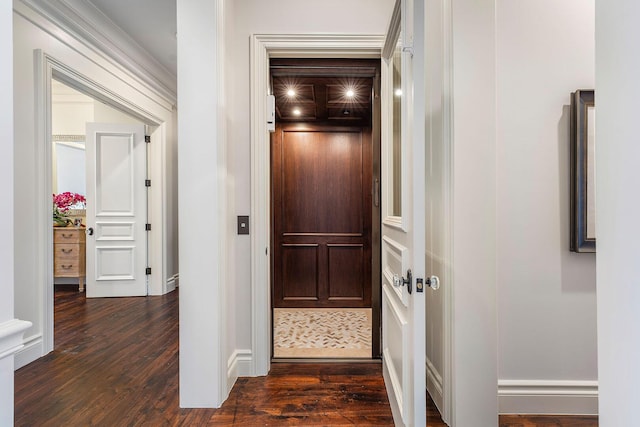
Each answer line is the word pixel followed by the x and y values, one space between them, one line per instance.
pixel 317 332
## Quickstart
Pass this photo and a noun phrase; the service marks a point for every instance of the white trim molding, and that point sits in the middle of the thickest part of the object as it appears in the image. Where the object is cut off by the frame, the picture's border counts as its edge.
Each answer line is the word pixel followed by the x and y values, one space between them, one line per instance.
pixel 566 397
pixel 173 282
pixel 83 23
pixel 239 365
pixel 32 349
pixel 11 333
pixel 264 47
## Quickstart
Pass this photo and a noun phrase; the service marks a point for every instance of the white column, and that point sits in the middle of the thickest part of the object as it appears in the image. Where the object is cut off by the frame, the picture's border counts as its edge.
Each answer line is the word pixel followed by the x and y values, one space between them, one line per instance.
pixel 201 200
pixel 10 329
pixel 618 209
pixel 475 364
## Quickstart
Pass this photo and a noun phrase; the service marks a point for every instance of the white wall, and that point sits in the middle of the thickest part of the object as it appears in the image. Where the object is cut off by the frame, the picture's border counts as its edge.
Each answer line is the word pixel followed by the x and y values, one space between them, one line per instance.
pixel 31 32
pixel 6 184
pixel 104 113
pixel 546 294
pixel 274 17
pixel 70 110
pixel 618 228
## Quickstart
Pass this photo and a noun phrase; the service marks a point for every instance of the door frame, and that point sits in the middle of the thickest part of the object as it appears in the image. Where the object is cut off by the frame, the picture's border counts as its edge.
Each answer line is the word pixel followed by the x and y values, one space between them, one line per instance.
pixel 262 48
pixel 46 68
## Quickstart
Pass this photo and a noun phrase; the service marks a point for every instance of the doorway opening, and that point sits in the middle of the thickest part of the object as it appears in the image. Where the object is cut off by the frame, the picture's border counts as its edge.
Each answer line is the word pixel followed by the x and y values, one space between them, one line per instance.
pixel 85 173
pixel 325 208
pixel 48 70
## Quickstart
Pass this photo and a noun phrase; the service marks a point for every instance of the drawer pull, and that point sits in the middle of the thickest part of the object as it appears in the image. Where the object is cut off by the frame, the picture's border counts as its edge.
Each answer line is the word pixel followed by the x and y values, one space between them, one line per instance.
pixel 66 251
pixel 67 236
pixel 67 267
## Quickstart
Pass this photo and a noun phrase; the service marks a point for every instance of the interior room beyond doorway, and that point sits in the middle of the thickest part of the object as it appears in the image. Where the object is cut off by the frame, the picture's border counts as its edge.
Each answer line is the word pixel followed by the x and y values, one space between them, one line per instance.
pixel 325 157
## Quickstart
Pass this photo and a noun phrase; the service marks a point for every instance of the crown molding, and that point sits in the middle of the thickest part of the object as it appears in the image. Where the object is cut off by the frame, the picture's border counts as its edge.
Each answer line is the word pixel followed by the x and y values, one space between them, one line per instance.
pixel 88 25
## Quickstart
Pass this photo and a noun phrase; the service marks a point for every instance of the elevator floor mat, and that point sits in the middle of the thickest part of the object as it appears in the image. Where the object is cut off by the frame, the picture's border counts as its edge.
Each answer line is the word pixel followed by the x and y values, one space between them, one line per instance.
pixel 322 333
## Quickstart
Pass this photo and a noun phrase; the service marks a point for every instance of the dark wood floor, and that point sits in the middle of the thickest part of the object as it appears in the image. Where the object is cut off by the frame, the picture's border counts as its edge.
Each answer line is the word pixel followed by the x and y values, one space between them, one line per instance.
pixel 116 364
pixel 548 421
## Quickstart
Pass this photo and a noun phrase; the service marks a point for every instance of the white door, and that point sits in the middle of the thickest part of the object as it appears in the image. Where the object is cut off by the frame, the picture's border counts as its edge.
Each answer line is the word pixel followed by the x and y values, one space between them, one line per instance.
pixel 403 228
pixel 116 210
pixel 438 211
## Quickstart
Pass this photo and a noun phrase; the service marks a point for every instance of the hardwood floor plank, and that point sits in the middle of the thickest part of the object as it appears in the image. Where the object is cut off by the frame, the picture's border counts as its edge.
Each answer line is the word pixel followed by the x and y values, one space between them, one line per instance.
pixel 309 394
pixel 115 363
pixel 548 421
pixel 433 414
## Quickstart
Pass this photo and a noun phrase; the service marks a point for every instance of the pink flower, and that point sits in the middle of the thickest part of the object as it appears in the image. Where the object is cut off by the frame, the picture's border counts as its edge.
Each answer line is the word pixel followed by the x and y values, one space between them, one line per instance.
pixel 66 200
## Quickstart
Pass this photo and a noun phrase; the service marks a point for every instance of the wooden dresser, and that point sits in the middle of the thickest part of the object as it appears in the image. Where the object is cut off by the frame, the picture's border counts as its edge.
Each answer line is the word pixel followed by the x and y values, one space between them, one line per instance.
pixel 69 254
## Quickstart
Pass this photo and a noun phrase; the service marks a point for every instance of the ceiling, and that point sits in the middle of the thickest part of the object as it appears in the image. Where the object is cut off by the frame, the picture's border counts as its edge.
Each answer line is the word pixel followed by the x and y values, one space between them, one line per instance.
pixel 320 90
pixel 150 23
pixel 320 84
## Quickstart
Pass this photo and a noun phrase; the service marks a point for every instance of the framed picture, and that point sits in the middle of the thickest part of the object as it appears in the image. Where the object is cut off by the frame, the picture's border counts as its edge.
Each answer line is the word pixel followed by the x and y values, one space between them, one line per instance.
pixel 583 171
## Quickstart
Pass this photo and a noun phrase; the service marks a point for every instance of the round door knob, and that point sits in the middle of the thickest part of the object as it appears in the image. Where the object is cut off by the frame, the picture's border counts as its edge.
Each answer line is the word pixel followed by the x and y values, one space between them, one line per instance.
pixel 397 281
pixel 90 231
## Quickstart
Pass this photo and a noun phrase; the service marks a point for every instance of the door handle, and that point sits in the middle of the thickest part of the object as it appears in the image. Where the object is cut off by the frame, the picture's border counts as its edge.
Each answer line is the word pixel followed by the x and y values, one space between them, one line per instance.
pixel 433 282
pixel 376 192
pixel 90 231
pixel 401 281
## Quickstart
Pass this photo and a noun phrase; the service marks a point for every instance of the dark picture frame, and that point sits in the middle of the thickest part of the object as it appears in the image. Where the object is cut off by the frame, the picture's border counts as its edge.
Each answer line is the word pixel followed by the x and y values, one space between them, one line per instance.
pixel 583 171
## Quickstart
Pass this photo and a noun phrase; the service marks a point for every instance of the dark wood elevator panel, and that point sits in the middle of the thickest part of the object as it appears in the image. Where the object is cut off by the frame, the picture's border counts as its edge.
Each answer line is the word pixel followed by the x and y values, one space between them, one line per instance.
pixel 321 179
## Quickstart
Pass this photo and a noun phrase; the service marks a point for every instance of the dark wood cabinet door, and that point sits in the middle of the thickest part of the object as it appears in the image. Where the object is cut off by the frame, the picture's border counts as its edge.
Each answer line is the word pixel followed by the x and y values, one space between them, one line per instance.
pixel 321 212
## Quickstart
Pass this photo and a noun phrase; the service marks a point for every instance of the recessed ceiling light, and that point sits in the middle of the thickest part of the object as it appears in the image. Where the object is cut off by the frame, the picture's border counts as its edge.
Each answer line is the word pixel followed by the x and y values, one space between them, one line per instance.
pixel 350 93
pixel 398 92
pixel 291 93
pixel 296 112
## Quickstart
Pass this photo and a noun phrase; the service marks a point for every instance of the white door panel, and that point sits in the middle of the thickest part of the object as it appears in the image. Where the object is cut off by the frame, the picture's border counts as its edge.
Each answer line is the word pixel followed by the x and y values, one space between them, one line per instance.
pixel 395 262
pixel 396 332
pixel 116 210
pixel 403 227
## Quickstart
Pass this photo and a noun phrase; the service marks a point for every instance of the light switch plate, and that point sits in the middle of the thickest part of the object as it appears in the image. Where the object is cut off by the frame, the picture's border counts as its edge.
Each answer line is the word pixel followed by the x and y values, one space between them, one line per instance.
pixel 243 224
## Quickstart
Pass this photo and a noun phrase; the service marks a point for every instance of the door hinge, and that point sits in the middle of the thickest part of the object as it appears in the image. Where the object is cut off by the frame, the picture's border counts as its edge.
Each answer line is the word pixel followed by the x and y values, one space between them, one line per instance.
pixel 147 271
pixel 147 227
pixel 147 138
pixel 147 183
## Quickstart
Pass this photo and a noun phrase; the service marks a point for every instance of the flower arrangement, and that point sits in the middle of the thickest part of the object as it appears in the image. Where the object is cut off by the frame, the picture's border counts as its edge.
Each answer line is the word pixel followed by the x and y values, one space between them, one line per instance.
pixel 62 203
pixel 67 200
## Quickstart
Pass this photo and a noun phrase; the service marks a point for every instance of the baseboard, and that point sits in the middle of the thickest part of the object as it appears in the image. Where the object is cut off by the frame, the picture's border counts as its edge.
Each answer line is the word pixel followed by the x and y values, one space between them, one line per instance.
pixel 239 365
pixel 172 283
pixel 33 350
pixel 434 385
pixel 66 281
pixel 548 397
